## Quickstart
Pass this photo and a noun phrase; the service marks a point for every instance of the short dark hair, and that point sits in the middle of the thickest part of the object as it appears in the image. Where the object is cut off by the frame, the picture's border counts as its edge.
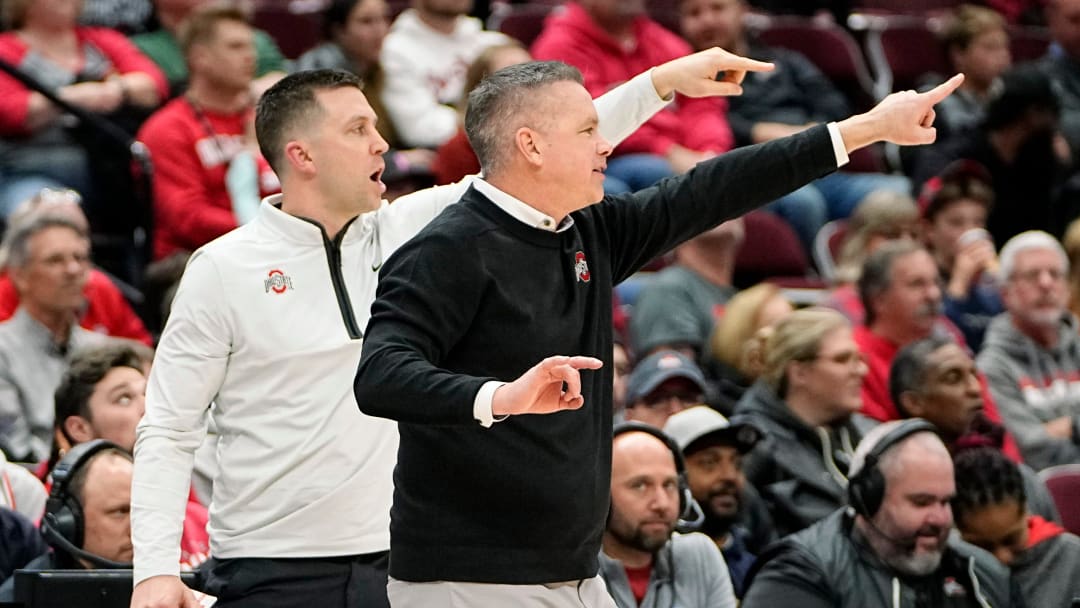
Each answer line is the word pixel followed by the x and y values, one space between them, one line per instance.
pixel 291 103
pixel 985 477
pixel 336 16
pixel 501 103
pixel 949 189
pixel 77 483
pixel 909 367
pixel 88 367
pixel 876 276
pixel 201 25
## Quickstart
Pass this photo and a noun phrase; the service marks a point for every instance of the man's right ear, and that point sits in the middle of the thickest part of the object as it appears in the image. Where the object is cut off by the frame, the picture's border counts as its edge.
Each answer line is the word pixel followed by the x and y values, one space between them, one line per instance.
pixel 911 403
pixel 298 157
pixel 79 429
pixel 527 143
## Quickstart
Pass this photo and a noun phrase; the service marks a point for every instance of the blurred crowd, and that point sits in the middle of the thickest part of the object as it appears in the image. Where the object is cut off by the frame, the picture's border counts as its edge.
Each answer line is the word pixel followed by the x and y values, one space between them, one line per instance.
pixel 766 371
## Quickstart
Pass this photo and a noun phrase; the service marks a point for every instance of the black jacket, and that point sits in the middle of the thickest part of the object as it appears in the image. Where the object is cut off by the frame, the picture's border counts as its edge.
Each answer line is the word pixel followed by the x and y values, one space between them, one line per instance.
pixel 801 472
pixel 829 566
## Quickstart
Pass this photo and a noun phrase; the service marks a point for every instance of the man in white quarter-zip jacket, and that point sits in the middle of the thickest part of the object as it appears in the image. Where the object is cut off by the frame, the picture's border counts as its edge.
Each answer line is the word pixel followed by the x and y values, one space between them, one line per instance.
pixel 267 323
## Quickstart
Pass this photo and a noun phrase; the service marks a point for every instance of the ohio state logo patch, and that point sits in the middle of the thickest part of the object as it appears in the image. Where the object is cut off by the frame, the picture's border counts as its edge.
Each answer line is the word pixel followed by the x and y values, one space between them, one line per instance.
pixel 581 267
pixel 277 282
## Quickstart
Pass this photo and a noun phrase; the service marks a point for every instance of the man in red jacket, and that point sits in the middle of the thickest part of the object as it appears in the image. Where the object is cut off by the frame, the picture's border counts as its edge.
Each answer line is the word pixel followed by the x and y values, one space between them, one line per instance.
pixel 208 176
pixel 901 293
pixel 611 41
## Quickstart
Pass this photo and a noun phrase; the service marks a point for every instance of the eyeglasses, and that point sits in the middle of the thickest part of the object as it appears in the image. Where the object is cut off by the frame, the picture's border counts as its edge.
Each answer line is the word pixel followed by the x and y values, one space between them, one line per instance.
pixel 1033 275
pixel 851 358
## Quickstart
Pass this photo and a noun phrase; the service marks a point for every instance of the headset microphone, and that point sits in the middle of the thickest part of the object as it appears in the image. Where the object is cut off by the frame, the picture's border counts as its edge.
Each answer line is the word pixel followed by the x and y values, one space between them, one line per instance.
pixel 866 487
pixel 63 524
pixel 685 524
pixel 907 543
pixel 57 540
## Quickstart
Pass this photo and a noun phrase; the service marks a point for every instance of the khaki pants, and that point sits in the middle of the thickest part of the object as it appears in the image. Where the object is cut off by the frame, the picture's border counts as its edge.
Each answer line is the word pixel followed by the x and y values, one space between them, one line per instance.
pixel 587 593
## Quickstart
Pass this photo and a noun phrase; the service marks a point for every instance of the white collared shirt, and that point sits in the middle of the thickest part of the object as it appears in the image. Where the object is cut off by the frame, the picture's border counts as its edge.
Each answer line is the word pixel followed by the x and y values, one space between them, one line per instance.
pixel 521 211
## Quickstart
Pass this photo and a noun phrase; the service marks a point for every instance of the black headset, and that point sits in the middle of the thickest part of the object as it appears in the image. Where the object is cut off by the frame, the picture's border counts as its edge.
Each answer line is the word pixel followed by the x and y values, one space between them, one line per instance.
pixel 866 488
pixel 686 499
pixel 63 525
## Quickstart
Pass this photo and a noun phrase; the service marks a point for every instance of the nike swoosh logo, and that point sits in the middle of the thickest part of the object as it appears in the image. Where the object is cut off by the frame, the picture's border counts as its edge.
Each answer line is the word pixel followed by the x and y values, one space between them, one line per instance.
pixel 376 267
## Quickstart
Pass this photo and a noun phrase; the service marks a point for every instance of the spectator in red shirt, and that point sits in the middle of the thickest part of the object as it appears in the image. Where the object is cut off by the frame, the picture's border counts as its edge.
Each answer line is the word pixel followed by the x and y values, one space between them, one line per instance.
pixel 95 69
pixel 611 41
pixel 208 174
pixel 901 292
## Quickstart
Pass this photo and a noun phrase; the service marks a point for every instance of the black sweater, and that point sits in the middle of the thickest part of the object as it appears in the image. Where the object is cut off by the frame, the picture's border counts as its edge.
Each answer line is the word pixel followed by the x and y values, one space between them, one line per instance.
pixel 480 296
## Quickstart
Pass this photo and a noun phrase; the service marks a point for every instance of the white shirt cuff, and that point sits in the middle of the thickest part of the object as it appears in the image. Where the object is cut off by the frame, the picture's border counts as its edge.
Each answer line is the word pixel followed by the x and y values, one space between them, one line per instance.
pixel 838 145
pixel 656 94
pixel 482 404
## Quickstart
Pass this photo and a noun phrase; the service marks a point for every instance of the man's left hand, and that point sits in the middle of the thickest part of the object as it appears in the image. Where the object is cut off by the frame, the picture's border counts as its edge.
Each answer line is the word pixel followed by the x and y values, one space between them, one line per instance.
pixel 904 118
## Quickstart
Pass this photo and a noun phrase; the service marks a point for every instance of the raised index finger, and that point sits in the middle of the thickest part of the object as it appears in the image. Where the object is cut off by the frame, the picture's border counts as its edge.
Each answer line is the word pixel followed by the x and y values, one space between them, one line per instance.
pixel 738 62
pixel 580 362
pixel 944 89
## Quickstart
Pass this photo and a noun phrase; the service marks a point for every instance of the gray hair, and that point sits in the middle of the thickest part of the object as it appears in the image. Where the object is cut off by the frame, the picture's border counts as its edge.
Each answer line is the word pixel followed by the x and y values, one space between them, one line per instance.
pixel 1026 241
pixel 876 276
pixel 16 243
pixel 503 102
pixel 887 462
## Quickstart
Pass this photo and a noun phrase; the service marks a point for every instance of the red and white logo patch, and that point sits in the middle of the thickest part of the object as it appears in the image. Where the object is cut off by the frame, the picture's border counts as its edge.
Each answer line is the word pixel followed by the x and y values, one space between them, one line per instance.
pixel 581 267
pixel 277 282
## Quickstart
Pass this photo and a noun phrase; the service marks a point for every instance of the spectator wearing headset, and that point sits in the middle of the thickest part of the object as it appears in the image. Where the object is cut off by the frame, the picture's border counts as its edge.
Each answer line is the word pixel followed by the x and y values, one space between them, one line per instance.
pixel 891 547
pixel 643 563
pixel 87 522
pixel 102 396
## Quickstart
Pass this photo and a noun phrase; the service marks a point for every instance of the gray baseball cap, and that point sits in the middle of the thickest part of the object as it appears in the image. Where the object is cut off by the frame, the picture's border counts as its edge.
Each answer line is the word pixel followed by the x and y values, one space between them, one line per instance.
pixel 659 367
pixel 701 421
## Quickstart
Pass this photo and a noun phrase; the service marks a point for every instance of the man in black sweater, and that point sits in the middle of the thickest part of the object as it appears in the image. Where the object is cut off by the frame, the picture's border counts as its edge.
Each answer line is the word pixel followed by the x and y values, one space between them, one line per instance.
pixel 492 506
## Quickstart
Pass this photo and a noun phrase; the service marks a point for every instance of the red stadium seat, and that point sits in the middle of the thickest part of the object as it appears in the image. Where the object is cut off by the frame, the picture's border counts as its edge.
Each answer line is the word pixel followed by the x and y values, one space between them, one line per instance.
pixel 827 245
pixel 905 7
pixel 829 47
pixel 1063 481
pixel 903 50
pixel 1028 43
pixel 523 22
pixel 772 252
pixel 295 26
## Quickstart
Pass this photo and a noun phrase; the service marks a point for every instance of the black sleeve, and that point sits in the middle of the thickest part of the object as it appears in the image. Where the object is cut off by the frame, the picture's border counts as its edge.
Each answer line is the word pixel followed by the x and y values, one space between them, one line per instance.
pixel 644 224
pixel 426 299
pixel 787 579
pixel 741 127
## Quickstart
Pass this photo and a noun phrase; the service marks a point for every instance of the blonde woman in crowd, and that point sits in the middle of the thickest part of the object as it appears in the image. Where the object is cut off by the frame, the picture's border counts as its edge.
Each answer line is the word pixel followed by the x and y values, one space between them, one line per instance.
pixel 804 400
